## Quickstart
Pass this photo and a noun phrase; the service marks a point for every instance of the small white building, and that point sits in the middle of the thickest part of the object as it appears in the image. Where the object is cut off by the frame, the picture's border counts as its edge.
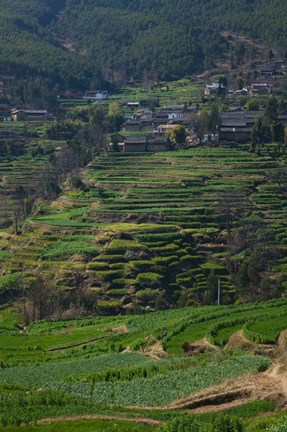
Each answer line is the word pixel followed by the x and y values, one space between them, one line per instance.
pixel 211 89
pixel 95 95
pixel 210 138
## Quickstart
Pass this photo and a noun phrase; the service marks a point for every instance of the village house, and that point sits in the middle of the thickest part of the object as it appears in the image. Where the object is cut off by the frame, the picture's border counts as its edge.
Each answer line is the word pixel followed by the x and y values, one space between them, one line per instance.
pixel 279 65
pixel 30 115
pixel 117 142
pixel 236 134
pixel 273 69
pixel 260 89
pixel 141 144
pixel 95 95
pixel 241 92
pixel 268 70
pixel 170 113
pixel 160 118
pixel 165 129
pixel 158 144
pixel 143 114
pixel 138 122
pixel 132 125
pixel 211 89
pixel 175 114
pixel 149 103
pixel 237 126
pixel 210 138
pixel 132 105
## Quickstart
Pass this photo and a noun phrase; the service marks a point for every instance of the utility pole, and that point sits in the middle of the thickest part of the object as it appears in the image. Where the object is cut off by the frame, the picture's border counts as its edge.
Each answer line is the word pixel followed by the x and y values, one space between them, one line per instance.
pixel 218 292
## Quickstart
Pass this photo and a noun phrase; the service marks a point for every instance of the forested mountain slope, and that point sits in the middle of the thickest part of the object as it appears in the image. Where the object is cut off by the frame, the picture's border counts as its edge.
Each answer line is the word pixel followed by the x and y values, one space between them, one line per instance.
pixel 72 40
pixel 29 47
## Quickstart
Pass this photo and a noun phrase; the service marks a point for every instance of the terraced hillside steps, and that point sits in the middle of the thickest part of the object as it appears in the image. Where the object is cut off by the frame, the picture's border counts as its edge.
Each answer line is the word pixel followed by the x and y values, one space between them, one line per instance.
pixel 156 230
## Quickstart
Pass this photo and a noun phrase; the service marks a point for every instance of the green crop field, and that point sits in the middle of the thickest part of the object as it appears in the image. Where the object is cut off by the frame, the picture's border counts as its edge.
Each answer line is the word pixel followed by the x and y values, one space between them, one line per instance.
pixel 108 367
pixel 97 279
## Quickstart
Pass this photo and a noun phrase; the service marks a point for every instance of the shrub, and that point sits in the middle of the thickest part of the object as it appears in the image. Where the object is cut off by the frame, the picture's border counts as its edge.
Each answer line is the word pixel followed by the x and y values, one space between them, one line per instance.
pixel 226 423
pixel 149 279
pixel 182 424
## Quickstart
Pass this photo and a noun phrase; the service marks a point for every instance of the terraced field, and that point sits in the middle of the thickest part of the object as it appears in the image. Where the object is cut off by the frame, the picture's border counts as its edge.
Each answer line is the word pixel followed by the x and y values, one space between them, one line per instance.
pixel 182 91
pixel 29 168
pixel 156 230
pixel 145 369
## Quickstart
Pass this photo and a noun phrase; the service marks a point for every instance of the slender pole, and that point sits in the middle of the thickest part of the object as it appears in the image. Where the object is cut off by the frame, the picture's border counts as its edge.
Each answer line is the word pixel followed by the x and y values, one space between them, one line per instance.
pixel 218 292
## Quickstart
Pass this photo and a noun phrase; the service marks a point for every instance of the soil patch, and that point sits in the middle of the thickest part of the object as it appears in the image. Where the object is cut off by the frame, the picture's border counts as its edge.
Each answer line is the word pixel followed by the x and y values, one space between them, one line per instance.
pixel 147 421
pixel 154 351
pixel 270 385
pixel 118 330
pixel 198 347
pixel 239 341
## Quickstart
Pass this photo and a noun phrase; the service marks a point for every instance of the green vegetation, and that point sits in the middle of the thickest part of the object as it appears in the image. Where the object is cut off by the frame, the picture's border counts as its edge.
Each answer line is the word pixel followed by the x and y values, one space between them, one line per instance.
pixel 86 426
pixel 81 367
pixel 135 287
pixel 29 46
pixel 155 32
pixel 141 232
pixel 145 41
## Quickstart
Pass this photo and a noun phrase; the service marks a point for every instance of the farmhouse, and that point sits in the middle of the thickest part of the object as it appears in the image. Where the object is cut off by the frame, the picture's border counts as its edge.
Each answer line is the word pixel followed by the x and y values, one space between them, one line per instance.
pixel 268 70
pixel 211 89
pixel 241 92
pixel 29 115
pixel 135 144
pixel 132 125
pixel 160 118
pixel 140 144
pixel 158 144
pixel 149 103
pixel 237 126
pixel 117 142
pixel 143 114
pixel 236 134
pixel 132 104
pixel 260 88
pixel 279 65
pixel 136 124
pixel 165 129
pixel 95 95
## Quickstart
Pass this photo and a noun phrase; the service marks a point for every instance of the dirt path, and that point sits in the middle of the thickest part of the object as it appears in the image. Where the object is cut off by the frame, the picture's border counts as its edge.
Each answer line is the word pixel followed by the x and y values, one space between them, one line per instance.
pixel 66 347
pixel 147 421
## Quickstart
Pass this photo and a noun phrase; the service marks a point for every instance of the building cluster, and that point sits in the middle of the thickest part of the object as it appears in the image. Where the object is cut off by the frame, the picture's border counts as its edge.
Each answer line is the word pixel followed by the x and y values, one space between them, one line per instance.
pixel 149 129
pixel 149 126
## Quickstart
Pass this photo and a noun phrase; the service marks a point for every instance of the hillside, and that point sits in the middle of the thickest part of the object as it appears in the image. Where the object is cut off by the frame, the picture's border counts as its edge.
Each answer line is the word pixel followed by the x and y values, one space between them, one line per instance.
pixel 168 39
pixel 151 231
pixel 77 44
pixel 28 46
